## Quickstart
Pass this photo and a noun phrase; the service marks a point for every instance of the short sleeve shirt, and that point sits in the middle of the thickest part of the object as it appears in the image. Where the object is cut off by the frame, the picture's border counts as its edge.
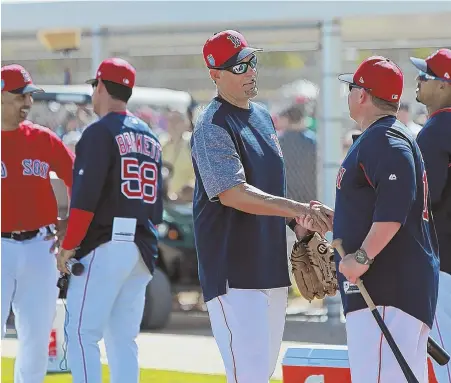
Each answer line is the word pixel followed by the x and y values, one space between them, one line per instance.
pixel 382 179
pixel 231 146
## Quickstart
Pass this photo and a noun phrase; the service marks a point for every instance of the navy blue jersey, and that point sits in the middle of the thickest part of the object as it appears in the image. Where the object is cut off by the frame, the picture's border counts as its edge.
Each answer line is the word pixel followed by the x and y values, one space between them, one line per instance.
pixel 117 173
pixel 434 141
pixel 383 179
pixel 230 146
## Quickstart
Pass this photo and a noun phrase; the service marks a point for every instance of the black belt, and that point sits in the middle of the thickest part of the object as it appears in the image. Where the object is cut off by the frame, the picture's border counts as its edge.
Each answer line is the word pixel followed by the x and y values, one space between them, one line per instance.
pixel 23 235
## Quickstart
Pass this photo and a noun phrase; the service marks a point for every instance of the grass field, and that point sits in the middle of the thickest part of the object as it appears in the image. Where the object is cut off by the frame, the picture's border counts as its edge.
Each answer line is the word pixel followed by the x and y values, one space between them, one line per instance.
pixel 147 376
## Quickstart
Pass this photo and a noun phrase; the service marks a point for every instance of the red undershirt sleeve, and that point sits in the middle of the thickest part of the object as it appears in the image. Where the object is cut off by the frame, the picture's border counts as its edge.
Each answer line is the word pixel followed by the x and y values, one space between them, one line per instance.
pixel 77 226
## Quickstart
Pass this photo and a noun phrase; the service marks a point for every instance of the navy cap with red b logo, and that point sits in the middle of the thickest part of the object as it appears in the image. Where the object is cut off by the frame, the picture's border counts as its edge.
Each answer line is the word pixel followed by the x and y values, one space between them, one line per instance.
pixel 225 49
pixel 379 76
pixel 437 65
pixel 115 70
pixel 15 79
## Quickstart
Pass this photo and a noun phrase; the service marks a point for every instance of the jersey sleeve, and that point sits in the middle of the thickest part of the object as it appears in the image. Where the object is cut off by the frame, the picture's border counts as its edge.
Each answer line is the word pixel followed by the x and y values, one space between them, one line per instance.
pixel 217 160
pixel 157 217
pixel 92 162
pixel 435 145
pixel 61 159
pixel 389 168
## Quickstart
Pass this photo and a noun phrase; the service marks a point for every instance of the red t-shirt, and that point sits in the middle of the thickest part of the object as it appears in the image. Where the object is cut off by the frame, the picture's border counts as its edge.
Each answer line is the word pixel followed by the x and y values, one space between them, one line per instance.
pixel 29 153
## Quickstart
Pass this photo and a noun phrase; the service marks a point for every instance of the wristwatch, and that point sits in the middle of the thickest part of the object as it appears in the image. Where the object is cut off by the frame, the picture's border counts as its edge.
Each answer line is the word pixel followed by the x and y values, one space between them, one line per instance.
pixel 362 257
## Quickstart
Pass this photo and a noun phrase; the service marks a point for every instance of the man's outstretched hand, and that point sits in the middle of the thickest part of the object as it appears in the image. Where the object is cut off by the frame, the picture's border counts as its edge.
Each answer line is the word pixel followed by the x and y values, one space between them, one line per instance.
pixel 316 217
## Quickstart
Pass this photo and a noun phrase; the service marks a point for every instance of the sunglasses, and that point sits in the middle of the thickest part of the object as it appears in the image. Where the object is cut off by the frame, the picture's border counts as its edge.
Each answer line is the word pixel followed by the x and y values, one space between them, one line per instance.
pixel 242 68
pixel 425 77
pixel 351 86
pixel 94 84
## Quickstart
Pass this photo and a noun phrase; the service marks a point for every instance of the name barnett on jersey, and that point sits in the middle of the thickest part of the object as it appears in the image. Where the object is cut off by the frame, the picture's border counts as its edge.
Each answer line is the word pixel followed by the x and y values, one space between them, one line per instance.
pixel 130 142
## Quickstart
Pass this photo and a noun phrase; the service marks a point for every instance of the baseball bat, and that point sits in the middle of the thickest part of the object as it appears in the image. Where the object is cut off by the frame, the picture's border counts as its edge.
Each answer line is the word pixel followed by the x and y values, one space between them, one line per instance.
pixel 408 373
pixel 435 351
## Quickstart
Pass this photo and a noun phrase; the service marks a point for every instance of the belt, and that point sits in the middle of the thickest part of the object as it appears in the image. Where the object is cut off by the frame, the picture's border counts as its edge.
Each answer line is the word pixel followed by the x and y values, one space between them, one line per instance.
pixel 23 235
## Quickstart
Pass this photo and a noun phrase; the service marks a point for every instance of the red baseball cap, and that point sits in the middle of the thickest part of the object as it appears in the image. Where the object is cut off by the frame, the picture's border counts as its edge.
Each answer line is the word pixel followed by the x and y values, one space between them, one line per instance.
pixel 115 70
pixel 379 76
pixel 15 79
pixel 437 65
pixel 225 49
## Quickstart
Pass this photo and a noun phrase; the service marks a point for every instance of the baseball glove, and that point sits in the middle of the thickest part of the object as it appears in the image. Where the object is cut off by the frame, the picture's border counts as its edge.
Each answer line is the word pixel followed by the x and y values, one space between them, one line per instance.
pixel 313 267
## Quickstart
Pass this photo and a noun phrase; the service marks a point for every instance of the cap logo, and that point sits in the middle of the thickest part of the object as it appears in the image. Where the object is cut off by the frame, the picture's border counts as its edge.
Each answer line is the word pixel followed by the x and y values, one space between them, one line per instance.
pixel 361 80
pixel 25 75
pixel 446 75
pixel 211 60
pixel 99 73
pixel 394 96
pixel 126 81
pixel 235 40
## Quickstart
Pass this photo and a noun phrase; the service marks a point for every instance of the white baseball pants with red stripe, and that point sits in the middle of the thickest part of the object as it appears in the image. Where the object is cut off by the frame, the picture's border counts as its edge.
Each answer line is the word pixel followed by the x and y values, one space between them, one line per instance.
pixel 107 301
pixel 370 357
pixel 28 283
pixel 248 328
pixel 441 331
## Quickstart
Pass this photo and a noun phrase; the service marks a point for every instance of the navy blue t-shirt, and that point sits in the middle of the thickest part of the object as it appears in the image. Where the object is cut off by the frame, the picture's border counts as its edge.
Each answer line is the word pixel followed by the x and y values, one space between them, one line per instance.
pixel 434 141
pixel 231 146
pixel 117 173
pixel 382 179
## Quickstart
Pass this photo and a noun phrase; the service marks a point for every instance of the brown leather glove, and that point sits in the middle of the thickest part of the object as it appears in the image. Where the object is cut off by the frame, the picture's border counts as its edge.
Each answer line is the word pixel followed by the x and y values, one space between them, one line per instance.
pixel 313 267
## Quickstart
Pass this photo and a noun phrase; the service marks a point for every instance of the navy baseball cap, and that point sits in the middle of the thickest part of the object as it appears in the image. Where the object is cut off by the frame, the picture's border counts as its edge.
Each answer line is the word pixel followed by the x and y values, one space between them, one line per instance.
pixel 437 65
pixel 15 79
pixel 225 49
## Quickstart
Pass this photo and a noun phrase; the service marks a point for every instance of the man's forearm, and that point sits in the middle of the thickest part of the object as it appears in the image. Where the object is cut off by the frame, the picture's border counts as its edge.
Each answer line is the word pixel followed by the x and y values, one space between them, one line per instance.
pixel 380 234
pixel 252 200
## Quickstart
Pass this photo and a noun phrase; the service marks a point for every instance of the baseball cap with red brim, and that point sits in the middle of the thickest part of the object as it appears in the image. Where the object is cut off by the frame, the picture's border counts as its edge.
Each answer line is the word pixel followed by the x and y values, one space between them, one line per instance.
pixel 437 66
pixel 226 49
pixel 15 79
pixel 379 76
pixel 115 70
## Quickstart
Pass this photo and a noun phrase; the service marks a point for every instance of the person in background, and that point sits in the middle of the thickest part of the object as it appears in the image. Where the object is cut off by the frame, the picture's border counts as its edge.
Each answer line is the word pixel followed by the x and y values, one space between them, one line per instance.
pixel 299 150
pixel 348 140
pixel 404 115
pixel 177 153
pixel 434 92
pixel 70 139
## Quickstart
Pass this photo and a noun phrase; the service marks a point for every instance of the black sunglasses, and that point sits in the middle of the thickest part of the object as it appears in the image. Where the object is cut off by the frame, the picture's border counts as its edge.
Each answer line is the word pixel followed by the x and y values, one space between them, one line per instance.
pixel 94 84
pixel 241 68
pixel 424 77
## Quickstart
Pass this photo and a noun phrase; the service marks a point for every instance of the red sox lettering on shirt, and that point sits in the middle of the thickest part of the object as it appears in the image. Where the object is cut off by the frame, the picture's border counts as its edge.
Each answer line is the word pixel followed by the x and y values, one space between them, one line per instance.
pixel 29 153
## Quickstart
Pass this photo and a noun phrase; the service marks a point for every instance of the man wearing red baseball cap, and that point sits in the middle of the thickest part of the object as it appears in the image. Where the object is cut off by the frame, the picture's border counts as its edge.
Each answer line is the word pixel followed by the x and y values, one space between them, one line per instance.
pixel 29 217
pixel 434 140
pixel 383 216
pixel 239 212
pixel 116 202
pixel 113 84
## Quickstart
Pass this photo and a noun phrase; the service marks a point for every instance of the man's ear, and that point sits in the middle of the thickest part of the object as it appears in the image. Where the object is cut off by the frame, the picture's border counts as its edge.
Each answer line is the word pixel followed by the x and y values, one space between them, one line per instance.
pixel 365 97
pixel 444 85
pixel 215 74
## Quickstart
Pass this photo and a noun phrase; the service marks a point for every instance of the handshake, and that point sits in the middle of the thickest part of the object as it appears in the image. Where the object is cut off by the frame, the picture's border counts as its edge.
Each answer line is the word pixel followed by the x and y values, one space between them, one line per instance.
pixel 315 217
